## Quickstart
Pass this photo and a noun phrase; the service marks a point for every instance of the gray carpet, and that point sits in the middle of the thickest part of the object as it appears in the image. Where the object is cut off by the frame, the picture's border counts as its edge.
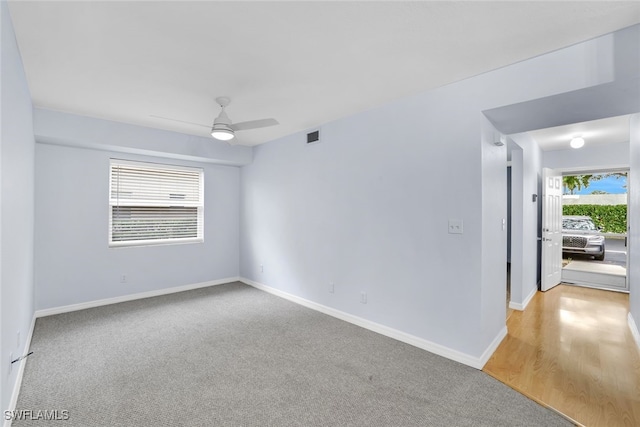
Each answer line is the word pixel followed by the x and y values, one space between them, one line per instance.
pixel 232 355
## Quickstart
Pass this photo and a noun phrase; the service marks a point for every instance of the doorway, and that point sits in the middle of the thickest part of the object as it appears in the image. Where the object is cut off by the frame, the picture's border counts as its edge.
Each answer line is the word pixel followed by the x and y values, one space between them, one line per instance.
pixel 594 206
pixel 524 162
pixel 594 200
pixel 528 153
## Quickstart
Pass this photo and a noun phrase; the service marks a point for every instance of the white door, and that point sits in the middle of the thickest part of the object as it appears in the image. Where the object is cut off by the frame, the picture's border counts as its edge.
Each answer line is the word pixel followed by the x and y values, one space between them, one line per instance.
pixel 551 228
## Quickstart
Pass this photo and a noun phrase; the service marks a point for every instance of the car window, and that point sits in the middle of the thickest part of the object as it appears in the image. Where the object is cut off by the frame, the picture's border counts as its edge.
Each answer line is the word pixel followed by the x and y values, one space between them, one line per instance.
pixel 578 224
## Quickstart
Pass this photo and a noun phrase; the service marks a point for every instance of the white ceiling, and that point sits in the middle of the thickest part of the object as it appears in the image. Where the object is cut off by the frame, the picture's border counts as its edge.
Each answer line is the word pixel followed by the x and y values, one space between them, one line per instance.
pixel 596 132
pixel 303 63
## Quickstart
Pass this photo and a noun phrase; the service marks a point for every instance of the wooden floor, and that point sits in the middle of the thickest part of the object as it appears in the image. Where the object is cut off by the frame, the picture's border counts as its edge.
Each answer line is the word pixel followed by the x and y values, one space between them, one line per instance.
pixel 572 350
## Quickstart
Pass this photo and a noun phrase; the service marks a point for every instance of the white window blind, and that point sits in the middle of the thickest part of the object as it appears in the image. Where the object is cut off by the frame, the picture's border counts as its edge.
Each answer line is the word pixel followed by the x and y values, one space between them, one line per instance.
pixel 151 203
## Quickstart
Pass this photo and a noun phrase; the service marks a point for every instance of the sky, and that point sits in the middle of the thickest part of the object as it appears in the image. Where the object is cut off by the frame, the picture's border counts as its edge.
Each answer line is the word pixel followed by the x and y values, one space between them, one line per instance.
pixel 611 185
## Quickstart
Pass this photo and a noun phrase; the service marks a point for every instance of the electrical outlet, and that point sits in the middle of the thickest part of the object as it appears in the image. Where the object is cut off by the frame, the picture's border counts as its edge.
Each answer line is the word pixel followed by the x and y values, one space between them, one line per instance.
pixel 456 226
pixel 261 268
pixel 363 297
pixel 123 278
pixel 331 288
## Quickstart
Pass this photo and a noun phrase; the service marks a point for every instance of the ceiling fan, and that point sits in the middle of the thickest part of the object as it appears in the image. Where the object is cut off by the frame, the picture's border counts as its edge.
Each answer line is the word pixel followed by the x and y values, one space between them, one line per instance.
pixel 223 128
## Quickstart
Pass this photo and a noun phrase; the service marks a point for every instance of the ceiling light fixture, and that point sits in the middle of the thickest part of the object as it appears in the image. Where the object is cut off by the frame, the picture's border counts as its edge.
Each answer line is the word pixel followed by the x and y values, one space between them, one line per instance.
pixel 222 132
pixel 577 142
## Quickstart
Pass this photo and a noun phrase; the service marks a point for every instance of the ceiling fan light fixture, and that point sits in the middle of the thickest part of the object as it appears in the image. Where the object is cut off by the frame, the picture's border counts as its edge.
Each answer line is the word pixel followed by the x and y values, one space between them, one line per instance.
pixel 577 142
pixel 222 132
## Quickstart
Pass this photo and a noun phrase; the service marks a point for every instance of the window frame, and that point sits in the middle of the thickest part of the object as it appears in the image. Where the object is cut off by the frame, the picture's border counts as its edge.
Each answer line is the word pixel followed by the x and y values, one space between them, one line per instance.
pixel 158 202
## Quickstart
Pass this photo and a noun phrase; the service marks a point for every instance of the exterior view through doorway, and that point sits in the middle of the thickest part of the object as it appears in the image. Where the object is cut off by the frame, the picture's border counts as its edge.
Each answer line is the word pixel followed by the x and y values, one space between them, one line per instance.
pixel 595 230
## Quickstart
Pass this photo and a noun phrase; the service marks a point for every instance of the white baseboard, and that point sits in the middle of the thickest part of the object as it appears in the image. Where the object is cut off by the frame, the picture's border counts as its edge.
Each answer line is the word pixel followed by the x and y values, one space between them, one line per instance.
pixel 525 303
pixel 492 347
pixel 634 329
pixel 16 387
pixel 131 297
pixel 474 362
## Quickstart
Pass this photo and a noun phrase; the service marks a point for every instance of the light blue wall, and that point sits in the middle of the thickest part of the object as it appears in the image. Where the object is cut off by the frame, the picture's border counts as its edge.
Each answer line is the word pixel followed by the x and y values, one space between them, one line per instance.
pixel 363 208
pixel 517 224
pixel 16 207
pixel 634 221
pixel 527 164
pixel 609 66
pixel 493 250
pixel 73 262
pixel 367 207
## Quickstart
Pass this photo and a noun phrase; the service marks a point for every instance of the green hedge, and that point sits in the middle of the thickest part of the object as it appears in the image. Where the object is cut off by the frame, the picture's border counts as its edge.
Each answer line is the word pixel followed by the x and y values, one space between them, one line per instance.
pixel 611 218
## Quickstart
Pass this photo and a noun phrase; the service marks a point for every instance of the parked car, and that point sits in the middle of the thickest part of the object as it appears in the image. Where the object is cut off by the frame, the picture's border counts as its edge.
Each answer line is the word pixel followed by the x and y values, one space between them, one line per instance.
pixel 581 236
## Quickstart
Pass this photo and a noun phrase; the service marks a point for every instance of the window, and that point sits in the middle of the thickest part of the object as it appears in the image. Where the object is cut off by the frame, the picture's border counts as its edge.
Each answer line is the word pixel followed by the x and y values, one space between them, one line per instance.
pixel 152 204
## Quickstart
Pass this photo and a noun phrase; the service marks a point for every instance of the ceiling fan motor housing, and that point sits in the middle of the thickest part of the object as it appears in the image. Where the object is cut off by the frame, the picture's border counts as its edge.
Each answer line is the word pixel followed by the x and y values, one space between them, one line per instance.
pixel 222 118
pixel 221 127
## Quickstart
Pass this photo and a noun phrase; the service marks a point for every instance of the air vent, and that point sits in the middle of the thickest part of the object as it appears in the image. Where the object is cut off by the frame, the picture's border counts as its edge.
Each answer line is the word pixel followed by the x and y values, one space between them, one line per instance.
pixel 313 137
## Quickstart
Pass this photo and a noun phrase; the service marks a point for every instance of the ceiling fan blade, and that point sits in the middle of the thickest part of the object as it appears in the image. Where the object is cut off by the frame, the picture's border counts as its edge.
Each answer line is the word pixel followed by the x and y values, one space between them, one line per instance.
pixel 254 124
pixel 181 121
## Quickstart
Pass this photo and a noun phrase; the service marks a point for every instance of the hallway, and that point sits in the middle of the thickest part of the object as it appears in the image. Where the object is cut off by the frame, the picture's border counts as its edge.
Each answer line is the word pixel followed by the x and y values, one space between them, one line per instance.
pixel 572 350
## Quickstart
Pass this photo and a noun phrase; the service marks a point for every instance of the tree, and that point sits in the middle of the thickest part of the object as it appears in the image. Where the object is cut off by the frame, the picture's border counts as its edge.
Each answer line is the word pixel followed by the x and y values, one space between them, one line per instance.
pixel 576 182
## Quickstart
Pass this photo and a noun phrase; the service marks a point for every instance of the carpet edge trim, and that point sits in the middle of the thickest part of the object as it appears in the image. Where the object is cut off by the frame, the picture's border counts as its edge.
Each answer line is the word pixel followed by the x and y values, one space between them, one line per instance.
pixel 440 350
pixel 535 399
pixel 18 384
pixel 130 297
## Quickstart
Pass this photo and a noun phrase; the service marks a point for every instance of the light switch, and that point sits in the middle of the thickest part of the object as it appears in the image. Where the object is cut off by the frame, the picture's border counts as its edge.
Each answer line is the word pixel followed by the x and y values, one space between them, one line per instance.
pixel 455 226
